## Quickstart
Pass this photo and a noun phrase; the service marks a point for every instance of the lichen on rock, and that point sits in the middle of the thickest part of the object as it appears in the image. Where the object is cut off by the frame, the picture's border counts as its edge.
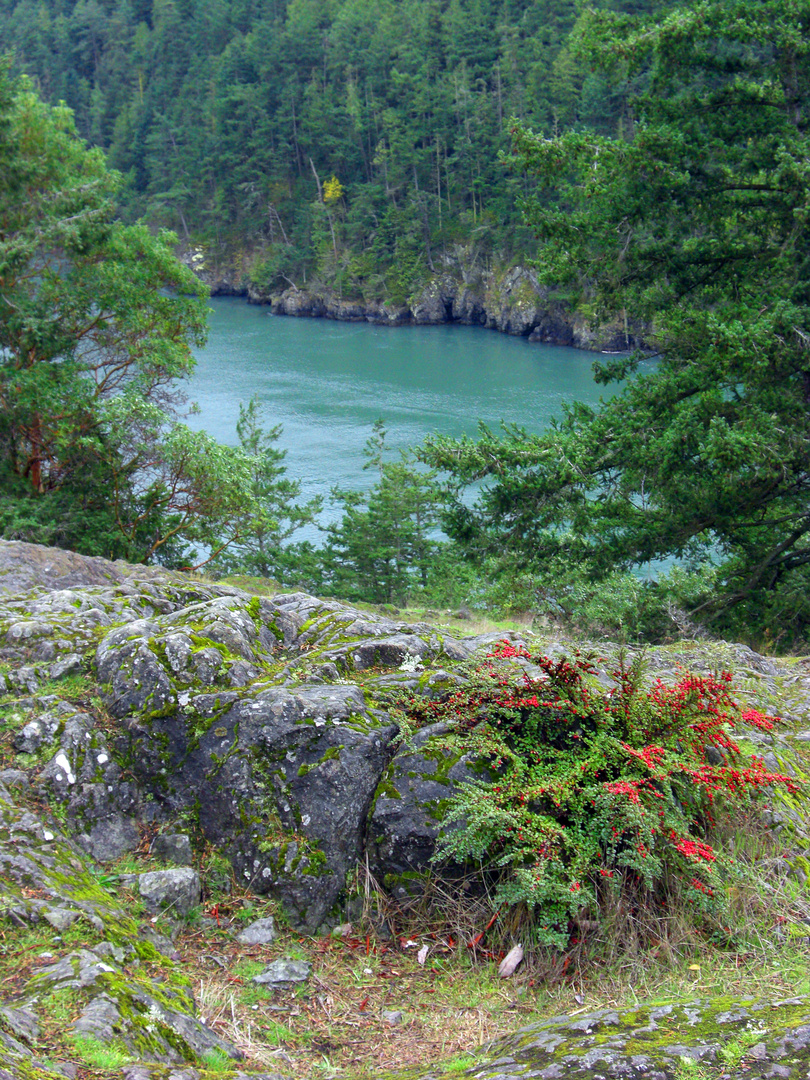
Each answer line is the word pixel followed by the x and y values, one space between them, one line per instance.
pixel 266 729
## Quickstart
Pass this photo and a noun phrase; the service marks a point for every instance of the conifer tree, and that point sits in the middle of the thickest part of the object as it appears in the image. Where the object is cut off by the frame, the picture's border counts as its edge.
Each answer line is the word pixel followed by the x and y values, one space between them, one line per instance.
pixel 693 220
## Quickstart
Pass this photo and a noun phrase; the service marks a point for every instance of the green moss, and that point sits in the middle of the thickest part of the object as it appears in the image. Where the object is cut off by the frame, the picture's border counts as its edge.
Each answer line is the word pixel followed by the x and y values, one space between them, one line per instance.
pixel 315 862
pixel 169 709
pixel 404 880
pixel 101 1055
pixel 199 643
pixel 331 754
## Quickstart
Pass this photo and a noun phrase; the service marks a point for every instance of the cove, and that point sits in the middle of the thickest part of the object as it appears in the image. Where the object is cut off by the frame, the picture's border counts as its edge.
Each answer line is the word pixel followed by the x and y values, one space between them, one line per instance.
pixel 327 382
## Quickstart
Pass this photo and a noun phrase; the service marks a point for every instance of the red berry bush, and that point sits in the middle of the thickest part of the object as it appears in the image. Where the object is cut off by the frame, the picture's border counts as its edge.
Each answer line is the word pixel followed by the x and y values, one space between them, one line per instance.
pixel 594 788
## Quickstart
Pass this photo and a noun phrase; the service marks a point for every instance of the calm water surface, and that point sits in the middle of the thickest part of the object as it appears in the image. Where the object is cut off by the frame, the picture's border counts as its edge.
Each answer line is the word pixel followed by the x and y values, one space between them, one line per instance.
pixel 327 382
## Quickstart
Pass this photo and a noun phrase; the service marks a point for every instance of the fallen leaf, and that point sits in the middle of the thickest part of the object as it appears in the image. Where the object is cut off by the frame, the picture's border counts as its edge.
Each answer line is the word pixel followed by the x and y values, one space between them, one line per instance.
pixel 421 956
pixel 694 967
pixel 510 961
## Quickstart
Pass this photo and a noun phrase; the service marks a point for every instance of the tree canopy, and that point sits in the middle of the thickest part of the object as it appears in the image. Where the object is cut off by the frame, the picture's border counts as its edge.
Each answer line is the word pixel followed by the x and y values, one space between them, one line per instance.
pixel 225 117
pixel 692 219
pixel 96 324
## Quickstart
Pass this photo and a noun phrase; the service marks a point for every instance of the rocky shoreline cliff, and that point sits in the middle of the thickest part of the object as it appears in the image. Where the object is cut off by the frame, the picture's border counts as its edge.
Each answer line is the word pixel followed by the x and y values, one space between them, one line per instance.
pixel 510 301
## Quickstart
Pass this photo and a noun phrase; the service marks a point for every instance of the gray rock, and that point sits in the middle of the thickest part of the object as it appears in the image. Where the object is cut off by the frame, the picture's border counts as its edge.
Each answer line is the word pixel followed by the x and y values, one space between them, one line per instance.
pixel 409 809
pixel 628 1043
pixel 60 918
pixel 101 1018
pixel 307 758
pixel 27 566
pixel 78 970
pixel 110 833
pixel 37 732
pixel 261 932
pixel 172 847
pixel 21 1022
pixel 173 1034
pixel 284 973
pixel 174 891
pixel 68 665
pixel 259 1076
pixel 15 778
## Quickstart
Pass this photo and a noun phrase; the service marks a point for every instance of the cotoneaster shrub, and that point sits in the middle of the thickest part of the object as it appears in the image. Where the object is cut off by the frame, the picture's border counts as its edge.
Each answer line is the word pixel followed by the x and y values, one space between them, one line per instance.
pixel 595 788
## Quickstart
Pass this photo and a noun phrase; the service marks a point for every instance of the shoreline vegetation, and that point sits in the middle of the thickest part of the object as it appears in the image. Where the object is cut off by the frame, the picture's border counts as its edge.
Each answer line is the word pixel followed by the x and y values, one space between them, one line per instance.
pixel 510 300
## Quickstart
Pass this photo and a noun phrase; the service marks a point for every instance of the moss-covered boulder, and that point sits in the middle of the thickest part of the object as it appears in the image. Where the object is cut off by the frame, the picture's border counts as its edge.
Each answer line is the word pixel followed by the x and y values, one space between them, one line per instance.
pixel 675 1041
pixel 117 982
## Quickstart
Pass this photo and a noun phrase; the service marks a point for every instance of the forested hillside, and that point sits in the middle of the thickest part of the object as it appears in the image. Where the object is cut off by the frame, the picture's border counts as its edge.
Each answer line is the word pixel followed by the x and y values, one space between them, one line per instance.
pixel 344 139
pixel 648 159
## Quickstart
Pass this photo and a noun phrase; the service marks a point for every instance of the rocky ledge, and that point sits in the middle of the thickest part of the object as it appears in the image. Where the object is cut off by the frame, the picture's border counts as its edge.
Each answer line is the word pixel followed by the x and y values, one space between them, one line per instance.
pixel 704 1039
pixel 461 291
pixel 140 707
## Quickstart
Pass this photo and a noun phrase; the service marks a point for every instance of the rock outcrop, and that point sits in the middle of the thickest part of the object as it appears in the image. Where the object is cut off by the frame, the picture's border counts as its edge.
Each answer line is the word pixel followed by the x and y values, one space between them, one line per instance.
pixel 755 1039
pixel 122 983
pixel 140 706
pixel 463 291
pixel 514 303
pixel 259 721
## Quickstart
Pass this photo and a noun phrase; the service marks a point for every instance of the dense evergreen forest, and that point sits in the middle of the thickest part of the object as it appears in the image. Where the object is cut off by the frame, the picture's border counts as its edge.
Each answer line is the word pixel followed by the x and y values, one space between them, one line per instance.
pixel 348 141
pixel 645 157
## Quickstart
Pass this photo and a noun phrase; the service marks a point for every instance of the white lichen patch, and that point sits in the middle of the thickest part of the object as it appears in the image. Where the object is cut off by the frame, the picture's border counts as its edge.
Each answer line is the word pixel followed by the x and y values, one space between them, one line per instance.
pixel 61 760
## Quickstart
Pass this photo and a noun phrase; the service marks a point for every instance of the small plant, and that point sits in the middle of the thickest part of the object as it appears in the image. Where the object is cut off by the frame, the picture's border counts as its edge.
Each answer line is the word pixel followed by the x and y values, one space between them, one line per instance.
pixel 594 792
pixel 61 1004
pixel 70 687
pixel 458 1064
pixel 104 878
pixel 253 994
pixel 216 1061
pixel 247 968
pixel 100 1055
pixel 734 1051
pixel 277 1034
pixel 690 1069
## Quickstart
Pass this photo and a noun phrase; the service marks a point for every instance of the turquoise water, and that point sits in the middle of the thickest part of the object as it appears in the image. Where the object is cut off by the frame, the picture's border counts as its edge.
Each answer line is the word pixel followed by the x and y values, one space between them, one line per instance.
pixel 327 382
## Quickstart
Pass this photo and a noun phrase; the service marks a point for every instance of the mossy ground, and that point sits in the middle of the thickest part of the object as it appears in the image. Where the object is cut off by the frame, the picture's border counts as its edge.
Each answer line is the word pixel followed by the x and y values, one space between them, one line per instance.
pixel 336 1023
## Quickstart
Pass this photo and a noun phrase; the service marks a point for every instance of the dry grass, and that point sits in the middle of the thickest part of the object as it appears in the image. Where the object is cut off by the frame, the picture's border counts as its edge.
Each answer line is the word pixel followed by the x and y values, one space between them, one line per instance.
pixel 339 1021
pixel 345 1016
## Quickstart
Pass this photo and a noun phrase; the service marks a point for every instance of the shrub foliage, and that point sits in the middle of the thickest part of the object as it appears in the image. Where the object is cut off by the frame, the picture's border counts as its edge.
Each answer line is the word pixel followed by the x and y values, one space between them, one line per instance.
pixel 594 788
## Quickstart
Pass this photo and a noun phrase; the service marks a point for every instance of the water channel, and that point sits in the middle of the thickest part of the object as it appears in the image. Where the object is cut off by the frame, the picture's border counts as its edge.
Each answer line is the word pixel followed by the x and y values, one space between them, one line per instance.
pixel 327 382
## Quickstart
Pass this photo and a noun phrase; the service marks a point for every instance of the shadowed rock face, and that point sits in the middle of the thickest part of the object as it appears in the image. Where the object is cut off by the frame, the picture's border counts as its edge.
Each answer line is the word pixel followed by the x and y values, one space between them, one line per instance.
pixel 265 726
pixel 515 304
pixel 260 722
pixel 512 301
